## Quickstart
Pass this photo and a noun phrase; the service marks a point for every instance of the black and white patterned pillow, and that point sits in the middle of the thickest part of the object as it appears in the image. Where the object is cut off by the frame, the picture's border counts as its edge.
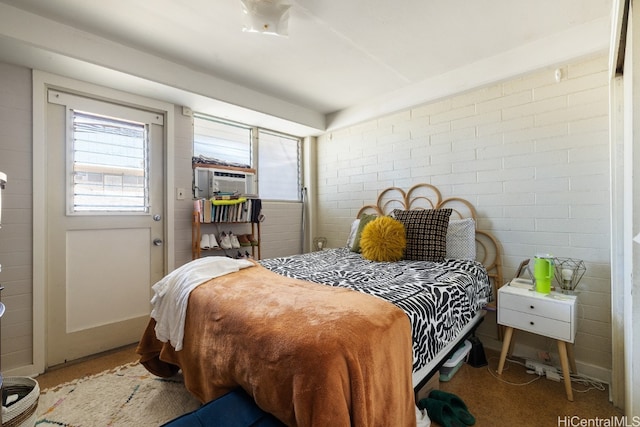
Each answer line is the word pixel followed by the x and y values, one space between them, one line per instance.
pixel 426 233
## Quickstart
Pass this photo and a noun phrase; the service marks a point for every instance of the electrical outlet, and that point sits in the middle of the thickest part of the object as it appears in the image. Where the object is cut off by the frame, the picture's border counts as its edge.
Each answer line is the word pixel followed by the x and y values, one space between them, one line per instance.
pixel 180 193
pixel 544 356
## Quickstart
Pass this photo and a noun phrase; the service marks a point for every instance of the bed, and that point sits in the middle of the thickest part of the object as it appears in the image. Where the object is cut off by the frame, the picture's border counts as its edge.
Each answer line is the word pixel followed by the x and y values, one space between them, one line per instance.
pixel 473 262
pixel 350 353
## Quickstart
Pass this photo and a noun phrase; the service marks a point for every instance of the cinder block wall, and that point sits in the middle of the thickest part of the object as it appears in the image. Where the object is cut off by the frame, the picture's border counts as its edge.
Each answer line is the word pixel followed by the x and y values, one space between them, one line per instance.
pixel 16 234
pixel 531 154
pixel 183 177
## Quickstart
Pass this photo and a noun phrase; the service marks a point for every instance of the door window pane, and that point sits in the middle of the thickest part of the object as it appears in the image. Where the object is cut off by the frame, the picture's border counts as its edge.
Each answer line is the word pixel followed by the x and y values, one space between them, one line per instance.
pixel 109 164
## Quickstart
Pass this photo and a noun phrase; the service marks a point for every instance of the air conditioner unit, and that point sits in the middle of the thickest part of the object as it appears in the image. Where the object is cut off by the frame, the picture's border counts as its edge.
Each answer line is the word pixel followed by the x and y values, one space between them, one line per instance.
pixel 210 181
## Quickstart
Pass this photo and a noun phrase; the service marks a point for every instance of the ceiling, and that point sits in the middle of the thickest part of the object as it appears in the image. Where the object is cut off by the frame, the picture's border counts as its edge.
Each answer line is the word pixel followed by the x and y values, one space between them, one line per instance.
pixel 342 62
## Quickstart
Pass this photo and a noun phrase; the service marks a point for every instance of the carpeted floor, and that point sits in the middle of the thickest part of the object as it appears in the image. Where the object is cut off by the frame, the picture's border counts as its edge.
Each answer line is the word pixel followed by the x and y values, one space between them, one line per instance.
pixel 493 401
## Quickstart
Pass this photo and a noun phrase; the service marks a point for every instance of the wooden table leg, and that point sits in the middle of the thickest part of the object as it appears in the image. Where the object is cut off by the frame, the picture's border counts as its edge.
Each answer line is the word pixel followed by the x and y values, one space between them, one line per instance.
pixel 506 341
pixel 513 342
pixel 564 361
pixel 572 358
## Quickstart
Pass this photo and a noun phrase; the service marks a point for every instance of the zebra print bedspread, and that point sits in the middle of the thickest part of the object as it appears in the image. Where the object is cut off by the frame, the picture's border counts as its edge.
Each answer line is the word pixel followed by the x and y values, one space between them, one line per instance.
pixel 439 298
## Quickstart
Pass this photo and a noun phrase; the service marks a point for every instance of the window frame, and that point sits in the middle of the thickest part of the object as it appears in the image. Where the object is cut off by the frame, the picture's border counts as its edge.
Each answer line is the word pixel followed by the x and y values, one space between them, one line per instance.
pixel 299 172
pixel 73 102
pixel 254 148
pixel 207 117
pixel 71 172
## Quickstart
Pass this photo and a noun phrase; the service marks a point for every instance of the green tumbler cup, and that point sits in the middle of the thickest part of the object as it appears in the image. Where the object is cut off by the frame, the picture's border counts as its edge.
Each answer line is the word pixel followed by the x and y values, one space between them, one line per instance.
pixel 543 272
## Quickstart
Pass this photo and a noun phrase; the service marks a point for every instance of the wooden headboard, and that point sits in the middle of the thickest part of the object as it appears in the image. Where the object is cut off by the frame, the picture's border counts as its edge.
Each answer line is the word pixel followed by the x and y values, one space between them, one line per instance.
pixel 427 196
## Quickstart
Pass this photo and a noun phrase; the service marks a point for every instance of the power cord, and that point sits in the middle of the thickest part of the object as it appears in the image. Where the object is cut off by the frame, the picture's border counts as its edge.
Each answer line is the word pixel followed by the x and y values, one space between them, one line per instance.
pixel 506 368
pixel 583 380
pixel 590 383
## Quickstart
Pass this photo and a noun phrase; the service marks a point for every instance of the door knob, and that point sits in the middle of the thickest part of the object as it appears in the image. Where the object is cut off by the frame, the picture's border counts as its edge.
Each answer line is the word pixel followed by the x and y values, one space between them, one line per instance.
pixel 157 242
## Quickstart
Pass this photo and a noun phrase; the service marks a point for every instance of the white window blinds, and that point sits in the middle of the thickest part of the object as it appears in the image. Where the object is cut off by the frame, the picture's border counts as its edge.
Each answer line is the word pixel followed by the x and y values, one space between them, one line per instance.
pixel 109 164
pixel 278 159
pixel 221 140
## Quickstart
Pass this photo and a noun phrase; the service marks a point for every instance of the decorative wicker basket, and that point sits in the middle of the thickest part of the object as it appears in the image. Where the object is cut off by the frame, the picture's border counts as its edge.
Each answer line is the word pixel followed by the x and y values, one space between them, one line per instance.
pixel 22 413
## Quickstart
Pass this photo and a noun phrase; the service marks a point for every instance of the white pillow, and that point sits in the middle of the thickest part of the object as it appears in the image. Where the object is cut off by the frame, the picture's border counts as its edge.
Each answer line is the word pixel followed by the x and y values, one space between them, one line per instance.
pixel 461 239
pixel 352 233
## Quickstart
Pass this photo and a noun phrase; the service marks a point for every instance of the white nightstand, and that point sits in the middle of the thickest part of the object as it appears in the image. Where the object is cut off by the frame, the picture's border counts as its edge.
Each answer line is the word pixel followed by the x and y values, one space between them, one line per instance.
pixel 552 315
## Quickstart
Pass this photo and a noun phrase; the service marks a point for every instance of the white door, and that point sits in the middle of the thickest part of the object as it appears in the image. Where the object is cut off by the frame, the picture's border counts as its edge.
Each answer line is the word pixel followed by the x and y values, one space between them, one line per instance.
pixel 105 223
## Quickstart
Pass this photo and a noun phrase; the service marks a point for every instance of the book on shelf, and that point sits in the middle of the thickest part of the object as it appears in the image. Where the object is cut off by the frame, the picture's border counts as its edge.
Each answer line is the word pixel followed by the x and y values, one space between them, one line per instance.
pixel 245 210
pixel 207 214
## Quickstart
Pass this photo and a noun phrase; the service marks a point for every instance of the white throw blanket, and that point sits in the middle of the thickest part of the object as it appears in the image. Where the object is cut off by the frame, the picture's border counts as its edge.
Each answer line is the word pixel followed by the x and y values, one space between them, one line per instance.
pixel 172 293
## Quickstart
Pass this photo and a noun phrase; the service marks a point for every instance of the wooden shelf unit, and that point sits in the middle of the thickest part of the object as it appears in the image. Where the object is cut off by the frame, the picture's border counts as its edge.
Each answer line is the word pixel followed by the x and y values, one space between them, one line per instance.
pixel 196 227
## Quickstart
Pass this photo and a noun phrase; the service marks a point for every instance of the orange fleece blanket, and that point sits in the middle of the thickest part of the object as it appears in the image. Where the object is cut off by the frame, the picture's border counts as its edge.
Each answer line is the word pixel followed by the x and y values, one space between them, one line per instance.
pixel 311 355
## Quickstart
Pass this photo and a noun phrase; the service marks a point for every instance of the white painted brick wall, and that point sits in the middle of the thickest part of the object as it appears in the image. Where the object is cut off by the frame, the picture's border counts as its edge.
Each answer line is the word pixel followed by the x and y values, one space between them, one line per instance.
pixel 183 209
pixel 16 233
pixel 282 229
pixel 530 153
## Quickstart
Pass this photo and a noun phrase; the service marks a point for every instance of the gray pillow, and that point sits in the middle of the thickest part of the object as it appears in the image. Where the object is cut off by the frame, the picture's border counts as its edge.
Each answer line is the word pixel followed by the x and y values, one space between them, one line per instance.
pixel 352 233
pixel 364 220
pixel 461 239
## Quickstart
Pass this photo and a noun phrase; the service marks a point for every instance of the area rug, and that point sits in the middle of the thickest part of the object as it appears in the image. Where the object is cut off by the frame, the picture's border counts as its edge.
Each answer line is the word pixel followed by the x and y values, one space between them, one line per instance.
pixel 126 396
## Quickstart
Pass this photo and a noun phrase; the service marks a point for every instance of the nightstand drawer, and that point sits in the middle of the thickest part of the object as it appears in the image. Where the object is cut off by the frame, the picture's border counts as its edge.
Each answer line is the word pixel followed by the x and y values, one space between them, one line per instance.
pixel 537 324
pixel 544 306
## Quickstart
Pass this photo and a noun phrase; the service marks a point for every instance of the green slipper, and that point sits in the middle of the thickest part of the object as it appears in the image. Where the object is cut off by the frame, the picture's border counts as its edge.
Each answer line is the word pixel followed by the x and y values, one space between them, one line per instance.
pixel 457 406
pixel 440 412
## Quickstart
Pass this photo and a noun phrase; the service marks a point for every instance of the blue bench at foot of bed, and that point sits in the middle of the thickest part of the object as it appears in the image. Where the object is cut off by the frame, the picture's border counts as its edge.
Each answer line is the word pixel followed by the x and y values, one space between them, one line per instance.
pixel 234 409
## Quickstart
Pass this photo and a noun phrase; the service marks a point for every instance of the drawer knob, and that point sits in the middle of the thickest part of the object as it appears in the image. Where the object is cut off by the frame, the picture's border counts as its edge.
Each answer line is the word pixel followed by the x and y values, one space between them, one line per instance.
pixel 531 323
pixel 531 307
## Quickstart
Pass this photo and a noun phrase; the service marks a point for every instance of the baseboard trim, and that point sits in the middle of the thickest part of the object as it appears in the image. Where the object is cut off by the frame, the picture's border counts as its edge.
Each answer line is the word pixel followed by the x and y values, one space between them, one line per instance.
pixel 524 351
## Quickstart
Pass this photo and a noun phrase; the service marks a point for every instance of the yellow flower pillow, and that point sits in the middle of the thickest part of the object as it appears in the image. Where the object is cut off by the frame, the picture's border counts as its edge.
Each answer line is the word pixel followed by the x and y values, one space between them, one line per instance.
pixel 383 239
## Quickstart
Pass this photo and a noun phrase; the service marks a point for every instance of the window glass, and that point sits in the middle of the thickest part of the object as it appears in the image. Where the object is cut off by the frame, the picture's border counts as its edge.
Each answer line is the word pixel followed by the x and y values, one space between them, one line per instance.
pixel 109 164
pixel 216 141
pixel 278 166
pixel 222 141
